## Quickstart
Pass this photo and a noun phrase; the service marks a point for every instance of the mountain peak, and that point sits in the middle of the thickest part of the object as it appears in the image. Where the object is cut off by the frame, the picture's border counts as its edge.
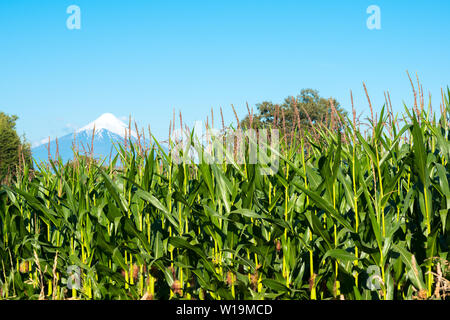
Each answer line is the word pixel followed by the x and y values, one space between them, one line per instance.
pixel 108 130
pixel 109 122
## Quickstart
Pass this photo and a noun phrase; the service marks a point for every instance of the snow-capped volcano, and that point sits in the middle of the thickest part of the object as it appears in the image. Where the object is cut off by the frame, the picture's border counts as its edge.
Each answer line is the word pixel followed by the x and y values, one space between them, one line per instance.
pixel 108 130
pixel 109 122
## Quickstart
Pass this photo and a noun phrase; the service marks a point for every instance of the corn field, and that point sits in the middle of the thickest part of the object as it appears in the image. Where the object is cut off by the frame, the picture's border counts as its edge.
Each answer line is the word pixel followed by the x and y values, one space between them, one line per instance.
pixel 350 215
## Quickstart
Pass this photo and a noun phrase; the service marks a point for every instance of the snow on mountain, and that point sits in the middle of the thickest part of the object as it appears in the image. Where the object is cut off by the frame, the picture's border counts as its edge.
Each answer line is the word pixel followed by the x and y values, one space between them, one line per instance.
pixel 108 130
pixel 109 122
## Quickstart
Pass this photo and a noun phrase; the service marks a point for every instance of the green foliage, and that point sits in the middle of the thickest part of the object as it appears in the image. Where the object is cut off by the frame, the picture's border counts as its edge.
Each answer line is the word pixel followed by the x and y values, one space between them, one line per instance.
pixel 13 151
pixel 307 108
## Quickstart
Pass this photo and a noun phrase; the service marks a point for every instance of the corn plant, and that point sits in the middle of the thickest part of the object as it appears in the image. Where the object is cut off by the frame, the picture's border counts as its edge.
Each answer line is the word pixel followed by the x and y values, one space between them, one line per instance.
pixel 348 215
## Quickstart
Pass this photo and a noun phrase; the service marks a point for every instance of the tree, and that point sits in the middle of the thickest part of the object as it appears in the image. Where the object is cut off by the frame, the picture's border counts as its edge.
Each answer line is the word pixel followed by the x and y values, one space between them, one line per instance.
pixel 308 108
pixel 14 151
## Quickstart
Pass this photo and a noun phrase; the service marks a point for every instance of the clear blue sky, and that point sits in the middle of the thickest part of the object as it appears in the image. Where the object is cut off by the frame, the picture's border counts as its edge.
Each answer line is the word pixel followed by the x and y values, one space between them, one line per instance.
pixel 145 58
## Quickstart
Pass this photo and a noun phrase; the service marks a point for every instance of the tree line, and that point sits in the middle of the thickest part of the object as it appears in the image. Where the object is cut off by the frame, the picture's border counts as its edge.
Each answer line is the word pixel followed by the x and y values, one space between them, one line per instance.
pixel 14 150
